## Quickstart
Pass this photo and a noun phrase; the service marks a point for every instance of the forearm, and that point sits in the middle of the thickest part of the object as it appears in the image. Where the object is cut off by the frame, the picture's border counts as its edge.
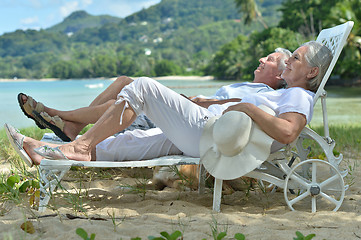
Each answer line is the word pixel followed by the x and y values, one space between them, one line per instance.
pixel 284 128
pixel 209 102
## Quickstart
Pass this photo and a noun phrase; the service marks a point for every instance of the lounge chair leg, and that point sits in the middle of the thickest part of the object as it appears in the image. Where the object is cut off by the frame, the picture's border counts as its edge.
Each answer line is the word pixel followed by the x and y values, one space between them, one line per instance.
pixel 49 179
pixel 217 194
pixel 202 179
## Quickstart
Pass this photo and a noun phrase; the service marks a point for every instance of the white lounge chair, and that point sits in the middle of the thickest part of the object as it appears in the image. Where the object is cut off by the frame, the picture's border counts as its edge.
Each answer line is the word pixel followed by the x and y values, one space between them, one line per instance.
pixel 275 170
pixel 303 178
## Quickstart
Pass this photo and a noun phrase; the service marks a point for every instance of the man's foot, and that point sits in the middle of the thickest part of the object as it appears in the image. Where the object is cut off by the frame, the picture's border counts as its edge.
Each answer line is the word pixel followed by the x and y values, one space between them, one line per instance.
pixel 28 105
pixel 43 117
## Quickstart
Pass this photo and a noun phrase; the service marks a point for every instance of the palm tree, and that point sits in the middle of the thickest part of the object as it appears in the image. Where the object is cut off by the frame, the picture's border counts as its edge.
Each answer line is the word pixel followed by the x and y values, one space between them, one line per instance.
pixel 250 11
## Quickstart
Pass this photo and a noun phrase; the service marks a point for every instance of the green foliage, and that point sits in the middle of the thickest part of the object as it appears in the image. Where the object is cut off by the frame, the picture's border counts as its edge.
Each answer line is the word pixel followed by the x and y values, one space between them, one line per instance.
pixel 216 232
pixel 166 68
pixel 12 186
pixel 239 58
pixel 306 17
pixel 349 65
pixel 84 235
pixel 239 236
pixel 250 11
pixel 300 236
pixel 79 20
pixel 166 236
pixel 230 62
pixel 22 43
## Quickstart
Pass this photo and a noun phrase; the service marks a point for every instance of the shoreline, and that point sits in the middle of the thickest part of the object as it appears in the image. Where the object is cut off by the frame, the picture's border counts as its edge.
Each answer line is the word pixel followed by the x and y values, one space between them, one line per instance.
pixel 185 78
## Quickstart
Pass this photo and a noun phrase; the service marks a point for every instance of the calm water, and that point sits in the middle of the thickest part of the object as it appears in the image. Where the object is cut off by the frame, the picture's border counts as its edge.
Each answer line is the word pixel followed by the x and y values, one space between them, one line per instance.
pixel 71 94
pixel 342 104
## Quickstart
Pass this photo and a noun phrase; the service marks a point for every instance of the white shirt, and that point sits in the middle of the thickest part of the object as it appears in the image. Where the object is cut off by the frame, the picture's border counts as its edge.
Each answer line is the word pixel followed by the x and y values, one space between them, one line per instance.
pixel 280 101
pixel 239 90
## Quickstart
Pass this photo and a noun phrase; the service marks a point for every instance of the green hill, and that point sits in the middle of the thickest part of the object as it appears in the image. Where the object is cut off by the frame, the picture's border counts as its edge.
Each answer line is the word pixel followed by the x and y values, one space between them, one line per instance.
pixel 185 33
pixel 80 20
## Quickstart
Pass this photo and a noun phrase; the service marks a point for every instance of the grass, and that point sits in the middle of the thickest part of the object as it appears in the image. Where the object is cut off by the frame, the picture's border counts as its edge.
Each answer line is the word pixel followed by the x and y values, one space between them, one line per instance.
pixel 347 138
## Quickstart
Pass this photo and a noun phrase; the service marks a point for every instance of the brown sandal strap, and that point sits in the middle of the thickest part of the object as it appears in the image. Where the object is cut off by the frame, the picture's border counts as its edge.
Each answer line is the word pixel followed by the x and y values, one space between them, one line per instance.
pixel 29 106
pixel 56 120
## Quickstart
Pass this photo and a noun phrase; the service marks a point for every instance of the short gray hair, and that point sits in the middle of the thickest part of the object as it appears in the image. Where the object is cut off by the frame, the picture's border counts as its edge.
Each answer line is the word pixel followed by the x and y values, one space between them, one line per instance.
pixel 285 54
pixel 317 55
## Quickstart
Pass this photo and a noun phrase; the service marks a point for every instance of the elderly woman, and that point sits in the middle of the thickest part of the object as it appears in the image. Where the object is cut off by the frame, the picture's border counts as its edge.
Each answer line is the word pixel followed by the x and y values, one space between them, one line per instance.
pixel 182 121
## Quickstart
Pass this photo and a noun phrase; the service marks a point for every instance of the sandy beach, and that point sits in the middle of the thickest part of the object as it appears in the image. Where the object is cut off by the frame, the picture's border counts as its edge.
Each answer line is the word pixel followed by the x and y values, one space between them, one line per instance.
pixel 112 211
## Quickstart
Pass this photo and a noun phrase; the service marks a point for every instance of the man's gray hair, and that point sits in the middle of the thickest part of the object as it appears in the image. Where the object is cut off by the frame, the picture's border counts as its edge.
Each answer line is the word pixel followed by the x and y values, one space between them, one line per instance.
pixel 317 55
pixel 285 54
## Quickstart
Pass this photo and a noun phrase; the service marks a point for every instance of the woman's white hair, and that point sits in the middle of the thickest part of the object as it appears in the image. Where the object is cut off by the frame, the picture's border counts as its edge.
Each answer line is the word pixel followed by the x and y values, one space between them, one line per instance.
pixel 317 55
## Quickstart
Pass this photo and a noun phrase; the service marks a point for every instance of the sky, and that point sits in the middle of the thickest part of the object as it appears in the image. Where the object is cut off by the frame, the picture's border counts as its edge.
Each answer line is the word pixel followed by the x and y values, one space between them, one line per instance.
pixel 42 14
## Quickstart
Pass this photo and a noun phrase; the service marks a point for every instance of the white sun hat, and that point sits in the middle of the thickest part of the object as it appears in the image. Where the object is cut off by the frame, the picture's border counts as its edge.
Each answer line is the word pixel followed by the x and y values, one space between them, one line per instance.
pixel 232 145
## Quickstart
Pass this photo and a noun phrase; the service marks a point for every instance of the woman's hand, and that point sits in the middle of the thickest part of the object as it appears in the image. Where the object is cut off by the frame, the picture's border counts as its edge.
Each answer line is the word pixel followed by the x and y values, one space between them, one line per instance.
pixel 240 107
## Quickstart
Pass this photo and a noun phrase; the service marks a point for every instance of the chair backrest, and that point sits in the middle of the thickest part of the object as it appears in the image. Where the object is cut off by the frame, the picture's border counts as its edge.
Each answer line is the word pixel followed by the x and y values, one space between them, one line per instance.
pixel 335 39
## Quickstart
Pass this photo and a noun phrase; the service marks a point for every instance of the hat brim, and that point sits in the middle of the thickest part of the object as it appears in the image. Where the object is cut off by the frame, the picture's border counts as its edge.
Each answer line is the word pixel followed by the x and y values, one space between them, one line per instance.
pixel 252 156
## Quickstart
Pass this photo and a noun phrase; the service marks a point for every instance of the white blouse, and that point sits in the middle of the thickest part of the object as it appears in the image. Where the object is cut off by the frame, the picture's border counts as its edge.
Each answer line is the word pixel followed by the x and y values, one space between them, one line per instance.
pixel 281 101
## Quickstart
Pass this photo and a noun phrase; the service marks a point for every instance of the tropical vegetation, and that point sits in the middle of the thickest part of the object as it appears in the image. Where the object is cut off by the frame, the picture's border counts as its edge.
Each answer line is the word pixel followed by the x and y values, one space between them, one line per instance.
pixel 224 38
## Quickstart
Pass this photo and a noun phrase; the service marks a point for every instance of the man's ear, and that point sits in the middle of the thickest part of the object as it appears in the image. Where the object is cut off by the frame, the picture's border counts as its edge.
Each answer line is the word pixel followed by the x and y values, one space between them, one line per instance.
pixel 313 72
pixel 278 77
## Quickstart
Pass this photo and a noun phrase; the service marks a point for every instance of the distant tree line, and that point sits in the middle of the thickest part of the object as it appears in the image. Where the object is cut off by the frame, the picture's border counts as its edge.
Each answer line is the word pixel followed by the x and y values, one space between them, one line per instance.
pixel 182 38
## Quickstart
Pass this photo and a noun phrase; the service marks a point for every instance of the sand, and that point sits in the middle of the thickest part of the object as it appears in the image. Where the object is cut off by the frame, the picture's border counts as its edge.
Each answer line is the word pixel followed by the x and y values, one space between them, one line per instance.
pixel 111 211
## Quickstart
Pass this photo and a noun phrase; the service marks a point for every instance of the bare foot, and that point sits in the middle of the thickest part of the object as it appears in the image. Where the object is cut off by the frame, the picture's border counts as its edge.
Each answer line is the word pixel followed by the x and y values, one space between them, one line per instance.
pixel 76 151
pixel 29 144
pixel 72 151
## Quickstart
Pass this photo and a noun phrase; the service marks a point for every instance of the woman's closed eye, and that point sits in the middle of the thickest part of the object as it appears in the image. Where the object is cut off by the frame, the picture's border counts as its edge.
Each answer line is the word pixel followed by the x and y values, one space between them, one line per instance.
pixel 296 57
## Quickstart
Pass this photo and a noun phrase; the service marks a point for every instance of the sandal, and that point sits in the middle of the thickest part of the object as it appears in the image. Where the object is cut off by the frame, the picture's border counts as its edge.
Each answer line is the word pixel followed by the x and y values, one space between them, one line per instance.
pixel 16 140
pixel 28 108
pixel 56 124
pixel 50 153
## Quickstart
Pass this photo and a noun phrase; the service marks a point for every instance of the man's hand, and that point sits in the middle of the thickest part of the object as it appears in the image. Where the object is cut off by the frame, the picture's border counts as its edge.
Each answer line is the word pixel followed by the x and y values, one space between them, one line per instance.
pixel 206 102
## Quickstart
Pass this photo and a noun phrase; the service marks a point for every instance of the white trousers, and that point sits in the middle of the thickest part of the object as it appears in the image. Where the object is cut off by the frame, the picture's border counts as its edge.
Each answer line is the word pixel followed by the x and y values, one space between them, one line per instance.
pixel 180 120
pixel 136 145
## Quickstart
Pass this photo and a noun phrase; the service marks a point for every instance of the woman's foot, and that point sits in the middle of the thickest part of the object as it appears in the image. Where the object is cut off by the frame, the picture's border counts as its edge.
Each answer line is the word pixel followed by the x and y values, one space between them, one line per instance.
pixel 64 152
pixel 29 144
pixel 70 151
pixel 16 140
